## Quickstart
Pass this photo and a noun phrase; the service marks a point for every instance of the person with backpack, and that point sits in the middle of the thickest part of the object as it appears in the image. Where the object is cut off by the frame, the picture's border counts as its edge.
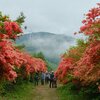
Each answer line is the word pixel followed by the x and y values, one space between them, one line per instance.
pixel 51 79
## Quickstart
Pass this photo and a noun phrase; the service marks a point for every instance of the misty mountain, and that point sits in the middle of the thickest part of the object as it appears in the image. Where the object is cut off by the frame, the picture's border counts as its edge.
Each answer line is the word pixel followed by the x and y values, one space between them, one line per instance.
pixel 52 45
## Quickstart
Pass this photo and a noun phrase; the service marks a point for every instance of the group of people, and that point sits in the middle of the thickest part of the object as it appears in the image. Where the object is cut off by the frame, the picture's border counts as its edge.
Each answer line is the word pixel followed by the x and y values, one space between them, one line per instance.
pixel 46 78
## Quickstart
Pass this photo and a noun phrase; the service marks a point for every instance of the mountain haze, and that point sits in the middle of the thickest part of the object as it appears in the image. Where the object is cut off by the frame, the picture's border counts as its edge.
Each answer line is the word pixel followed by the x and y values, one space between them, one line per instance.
pixel 52 45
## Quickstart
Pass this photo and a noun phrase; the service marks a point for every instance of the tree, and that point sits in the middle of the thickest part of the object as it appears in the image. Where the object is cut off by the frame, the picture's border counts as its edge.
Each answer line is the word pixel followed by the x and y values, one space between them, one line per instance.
pixel 39 55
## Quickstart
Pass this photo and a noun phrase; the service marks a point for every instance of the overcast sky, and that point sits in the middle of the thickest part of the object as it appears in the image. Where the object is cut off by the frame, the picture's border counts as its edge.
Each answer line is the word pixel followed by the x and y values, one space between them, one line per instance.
pixel 56 16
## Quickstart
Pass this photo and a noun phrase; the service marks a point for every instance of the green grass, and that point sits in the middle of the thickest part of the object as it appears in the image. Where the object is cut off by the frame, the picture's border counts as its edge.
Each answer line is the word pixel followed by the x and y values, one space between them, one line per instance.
pixel 19 92
pixel 66 93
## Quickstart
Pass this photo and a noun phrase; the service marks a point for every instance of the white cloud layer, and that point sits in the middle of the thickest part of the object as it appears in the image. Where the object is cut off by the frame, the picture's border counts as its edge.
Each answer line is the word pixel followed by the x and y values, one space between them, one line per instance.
pixel 57 16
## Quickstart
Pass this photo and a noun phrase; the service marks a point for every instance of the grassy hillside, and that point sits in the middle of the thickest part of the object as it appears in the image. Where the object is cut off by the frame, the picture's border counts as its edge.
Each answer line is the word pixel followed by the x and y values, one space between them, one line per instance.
pixel 51 66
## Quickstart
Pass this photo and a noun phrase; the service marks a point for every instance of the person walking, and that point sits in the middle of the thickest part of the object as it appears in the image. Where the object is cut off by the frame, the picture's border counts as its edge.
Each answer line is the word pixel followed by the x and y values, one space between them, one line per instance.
pixel 51 79
pixel 36 78
pixel 42 78
pixel 55 82
pixel 47 77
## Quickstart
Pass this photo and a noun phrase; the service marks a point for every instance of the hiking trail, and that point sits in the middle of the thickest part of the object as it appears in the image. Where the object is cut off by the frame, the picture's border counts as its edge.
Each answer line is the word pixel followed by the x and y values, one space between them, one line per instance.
pixel 45 93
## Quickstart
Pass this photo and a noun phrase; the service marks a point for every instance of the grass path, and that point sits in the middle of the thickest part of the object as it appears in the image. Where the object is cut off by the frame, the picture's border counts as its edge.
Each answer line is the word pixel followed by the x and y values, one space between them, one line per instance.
pixel 45 93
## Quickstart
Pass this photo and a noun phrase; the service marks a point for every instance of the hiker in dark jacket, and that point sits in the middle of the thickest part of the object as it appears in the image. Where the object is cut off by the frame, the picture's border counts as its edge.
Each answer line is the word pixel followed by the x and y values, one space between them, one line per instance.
pixel 36 78
pixel 51 79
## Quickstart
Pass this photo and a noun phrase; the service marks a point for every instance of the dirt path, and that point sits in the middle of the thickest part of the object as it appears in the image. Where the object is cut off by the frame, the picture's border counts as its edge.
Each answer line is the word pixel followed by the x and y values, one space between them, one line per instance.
pixel 45 93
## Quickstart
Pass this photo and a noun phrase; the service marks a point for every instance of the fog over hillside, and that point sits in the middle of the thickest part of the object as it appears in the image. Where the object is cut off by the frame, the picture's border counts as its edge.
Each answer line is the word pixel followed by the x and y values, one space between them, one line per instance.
pixel 52 45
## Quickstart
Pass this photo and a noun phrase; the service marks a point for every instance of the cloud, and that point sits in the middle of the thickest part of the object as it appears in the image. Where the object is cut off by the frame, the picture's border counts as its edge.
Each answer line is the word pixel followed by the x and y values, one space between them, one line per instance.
pixel 57 16
pixel 51 45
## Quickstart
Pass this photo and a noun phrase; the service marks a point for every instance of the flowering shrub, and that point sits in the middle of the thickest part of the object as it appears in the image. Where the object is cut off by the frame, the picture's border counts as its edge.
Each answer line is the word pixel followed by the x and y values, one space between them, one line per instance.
pixel 9 29
pixel 85 67
pixel 33 64
pixel 91 23
pixel 64 69
pixel 10 57
pixel 68 62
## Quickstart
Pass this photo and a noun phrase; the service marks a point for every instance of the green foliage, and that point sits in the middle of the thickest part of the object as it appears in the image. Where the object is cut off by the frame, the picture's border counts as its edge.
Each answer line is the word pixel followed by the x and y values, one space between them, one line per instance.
pixel 39 55
pixel 91 91
pixel 2 89
pixel 81 42
pixel 22 77
pixel 2 18
pixel 20 19
pixel 70 92
pixel 20 47
pixel 18 91
pixel 50 65
pixel 77 51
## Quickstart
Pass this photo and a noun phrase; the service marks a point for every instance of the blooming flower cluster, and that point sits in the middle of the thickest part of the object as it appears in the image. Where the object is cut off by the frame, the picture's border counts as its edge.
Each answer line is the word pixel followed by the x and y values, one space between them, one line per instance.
pixel 64 69
pixel 82 63
pixel 10 57
pixel 91 25
pixel 9 29
pixel 87 69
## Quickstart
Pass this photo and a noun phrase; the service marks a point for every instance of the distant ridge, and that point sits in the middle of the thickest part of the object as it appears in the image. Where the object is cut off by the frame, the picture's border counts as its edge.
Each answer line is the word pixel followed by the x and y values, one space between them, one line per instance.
pixel 52 45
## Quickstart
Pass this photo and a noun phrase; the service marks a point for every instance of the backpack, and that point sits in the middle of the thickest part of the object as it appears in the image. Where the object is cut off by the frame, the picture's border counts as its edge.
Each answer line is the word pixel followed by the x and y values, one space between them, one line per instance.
pixel 51 76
